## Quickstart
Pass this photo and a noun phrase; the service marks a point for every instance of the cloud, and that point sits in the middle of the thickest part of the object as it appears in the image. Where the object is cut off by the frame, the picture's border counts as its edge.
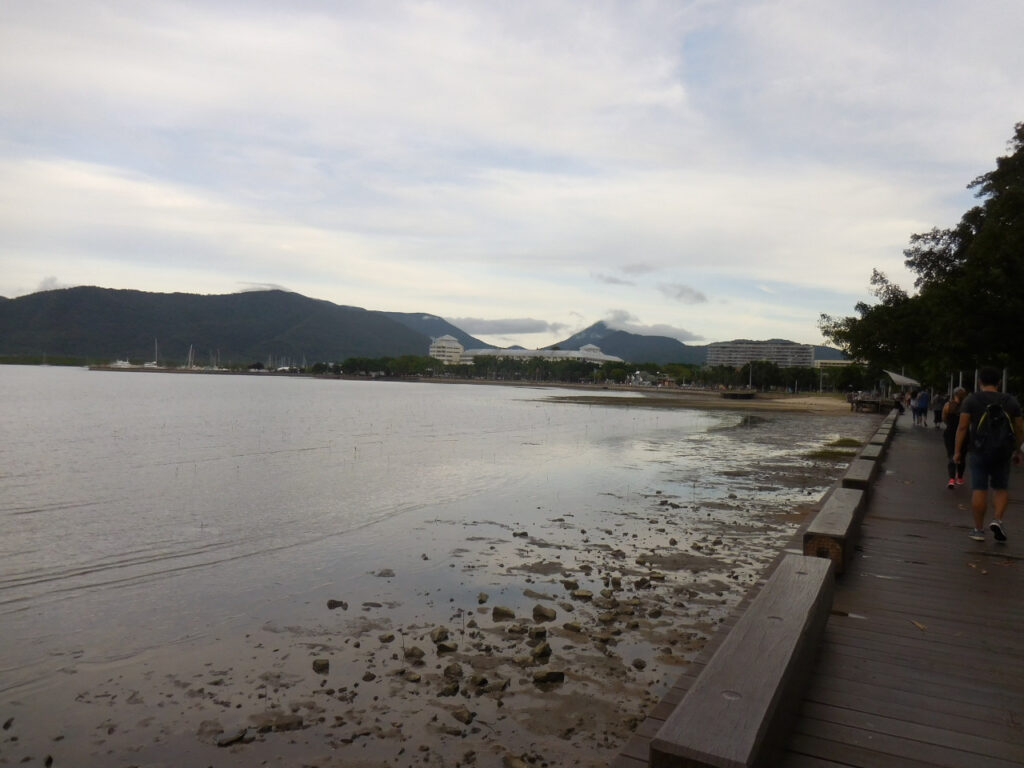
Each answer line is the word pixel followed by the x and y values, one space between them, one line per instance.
pixel 683 293
pixel 624 320
pixel 501 327
pixel 610 279
pixel 253 287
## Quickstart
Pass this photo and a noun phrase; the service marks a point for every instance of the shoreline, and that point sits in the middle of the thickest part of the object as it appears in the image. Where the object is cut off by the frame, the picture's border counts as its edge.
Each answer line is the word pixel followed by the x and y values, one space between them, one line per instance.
pixel 637 581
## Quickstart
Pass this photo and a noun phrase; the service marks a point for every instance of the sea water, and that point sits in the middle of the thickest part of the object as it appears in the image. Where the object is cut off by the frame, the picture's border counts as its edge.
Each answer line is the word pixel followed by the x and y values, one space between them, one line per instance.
pixel 142 509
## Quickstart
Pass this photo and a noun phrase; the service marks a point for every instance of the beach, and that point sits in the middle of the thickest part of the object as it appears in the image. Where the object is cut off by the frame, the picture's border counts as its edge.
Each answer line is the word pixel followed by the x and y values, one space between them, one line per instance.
pixel 537 630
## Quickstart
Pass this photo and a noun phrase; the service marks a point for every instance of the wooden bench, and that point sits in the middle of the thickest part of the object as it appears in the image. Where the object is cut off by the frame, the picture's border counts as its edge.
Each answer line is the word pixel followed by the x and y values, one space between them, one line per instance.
pixel 833 531
pixel 742 705
pixel 859 475
pixel 872 452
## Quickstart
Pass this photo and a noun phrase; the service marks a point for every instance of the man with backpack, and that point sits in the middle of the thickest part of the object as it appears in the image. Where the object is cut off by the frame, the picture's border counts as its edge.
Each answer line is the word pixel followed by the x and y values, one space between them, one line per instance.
pixel 992 421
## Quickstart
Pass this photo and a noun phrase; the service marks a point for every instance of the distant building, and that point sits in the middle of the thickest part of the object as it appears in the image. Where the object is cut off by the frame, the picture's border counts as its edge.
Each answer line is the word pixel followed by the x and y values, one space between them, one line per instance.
pixel 588 353
pixel 833 363
pixel 785 354
pixel 446 349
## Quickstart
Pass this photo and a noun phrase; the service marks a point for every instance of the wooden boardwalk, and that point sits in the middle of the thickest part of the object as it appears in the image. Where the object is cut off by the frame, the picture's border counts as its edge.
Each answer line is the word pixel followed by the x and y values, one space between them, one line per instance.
pixel 922 662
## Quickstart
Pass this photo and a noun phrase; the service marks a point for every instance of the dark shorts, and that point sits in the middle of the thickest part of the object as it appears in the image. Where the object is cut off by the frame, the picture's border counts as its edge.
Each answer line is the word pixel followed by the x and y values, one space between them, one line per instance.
pixel 984 475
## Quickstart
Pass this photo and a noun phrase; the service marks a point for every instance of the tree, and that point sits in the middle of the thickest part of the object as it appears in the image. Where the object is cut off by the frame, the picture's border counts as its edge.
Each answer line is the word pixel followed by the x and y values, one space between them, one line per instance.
pixel 968 279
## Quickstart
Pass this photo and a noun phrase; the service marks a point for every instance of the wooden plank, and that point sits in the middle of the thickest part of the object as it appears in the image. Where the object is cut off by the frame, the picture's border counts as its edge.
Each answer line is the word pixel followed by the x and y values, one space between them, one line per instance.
pixel 833 531
pixel 736 713
pixel 859 475
pixel 872 452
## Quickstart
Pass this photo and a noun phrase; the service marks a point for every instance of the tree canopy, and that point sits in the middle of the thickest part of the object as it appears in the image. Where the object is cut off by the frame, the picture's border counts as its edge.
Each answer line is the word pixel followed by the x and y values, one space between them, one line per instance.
pixel 969 303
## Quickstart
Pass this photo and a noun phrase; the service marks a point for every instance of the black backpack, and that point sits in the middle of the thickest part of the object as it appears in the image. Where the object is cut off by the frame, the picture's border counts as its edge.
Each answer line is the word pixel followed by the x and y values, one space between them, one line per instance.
pixel 994 439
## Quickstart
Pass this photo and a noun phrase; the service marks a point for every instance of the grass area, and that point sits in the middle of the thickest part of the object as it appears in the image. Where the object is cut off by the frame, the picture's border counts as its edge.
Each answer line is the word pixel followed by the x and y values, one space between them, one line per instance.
pixel 845 442
pixel 830 454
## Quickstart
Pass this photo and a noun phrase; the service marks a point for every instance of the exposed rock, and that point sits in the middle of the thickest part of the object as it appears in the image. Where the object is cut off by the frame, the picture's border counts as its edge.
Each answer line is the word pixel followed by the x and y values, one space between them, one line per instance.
pixel 387 637
pixel 277 721
pixel 501 613
pixel 385 573
pixel 453 672
pixel 582 594
pixel 332 604
pixel 233 737
pixel 538 633
pixel 414 652
pixel 520 534
pixel 482 598
pixel 511 761
pixel 439 634
pixel 541 651
pixel 450 688
pixel 321 666
pixel 570 584
pixel 463 715
pixel 447 647
pixel 542 676
pixel 639 663
pixel 368 676
pixel 573 626
pixel 543 613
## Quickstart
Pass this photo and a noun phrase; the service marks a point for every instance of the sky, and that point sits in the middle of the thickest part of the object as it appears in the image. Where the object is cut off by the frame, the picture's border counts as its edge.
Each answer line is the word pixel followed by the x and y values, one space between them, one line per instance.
pixel 697 169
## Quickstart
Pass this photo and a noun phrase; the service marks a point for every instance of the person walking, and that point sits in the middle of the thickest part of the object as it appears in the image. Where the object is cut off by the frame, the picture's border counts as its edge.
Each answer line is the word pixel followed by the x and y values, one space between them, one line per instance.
pixel 923 400
pixel 993 421
pixel 938 404
pixel 951 418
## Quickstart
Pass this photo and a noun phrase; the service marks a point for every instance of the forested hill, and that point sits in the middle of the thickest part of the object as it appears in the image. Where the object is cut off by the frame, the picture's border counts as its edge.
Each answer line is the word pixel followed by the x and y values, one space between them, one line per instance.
pixel 102 324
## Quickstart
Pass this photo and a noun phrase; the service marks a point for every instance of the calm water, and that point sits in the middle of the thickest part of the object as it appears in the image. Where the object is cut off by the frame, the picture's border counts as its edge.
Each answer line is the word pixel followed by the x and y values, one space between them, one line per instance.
pixel 140 509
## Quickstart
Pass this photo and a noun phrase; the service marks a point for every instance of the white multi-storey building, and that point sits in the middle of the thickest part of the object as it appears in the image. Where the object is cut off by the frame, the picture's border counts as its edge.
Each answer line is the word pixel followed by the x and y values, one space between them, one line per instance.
pixel 587 353
pixel 446 349
pixel 785 354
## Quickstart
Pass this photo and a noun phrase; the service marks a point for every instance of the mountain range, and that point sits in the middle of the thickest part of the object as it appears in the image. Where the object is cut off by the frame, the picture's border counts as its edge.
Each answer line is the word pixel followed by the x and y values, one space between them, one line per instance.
pixel 104 324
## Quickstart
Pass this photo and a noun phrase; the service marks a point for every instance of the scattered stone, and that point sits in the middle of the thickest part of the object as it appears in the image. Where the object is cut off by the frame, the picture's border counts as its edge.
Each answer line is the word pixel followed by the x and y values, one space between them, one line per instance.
pixel 232 737
pixel 321 666
pixel 582 594
pixel 520 534
pixel 607 617
pixel 543 613
pixel 387 637
pixel 542 676
pixel 542 651
pixel 410 676
pixel 639 664
pixel 538 633
pixel 463 715
pixel 447 647
pixel 482 598
pixel 573 626
pixel 424 556
pixel 414 652
pixel 385 573
pixel 332 604
pixel 570 584
pixel 501 613
pixel 278 721
pixel 511 761
pixel 368 676
pixel 439 634
pixel 450 688
pixel 453 672
pixel 672 542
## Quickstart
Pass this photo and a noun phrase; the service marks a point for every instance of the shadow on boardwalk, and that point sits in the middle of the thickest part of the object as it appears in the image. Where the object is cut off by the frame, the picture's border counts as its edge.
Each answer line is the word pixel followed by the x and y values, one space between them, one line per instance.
pixel 922 662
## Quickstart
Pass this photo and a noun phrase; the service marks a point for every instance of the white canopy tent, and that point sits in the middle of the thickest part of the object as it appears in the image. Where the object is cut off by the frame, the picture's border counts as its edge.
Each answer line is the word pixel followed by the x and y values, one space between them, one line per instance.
pixel 903 381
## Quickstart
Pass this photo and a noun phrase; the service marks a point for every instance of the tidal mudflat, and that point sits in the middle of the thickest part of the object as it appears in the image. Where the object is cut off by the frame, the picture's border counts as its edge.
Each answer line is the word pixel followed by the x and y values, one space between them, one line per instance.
pixel 528 626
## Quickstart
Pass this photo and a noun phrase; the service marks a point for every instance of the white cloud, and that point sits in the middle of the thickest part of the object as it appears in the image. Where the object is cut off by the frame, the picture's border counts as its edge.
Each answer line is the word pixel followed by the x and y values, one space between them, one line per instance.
pixel 487 161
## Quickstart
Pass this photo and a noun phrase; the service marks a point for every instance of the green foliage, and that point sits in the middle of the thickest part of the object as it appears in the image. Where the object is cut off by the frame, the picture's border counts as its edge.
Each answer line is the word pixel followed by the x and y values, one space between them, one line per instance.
pixel 969 279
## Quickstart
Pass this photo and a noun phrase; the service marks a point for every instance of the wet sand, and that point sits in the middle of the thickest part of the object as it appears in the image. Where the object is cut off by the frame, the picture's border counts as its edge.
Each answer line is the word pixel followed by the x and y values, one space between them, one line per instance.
pixel 478 641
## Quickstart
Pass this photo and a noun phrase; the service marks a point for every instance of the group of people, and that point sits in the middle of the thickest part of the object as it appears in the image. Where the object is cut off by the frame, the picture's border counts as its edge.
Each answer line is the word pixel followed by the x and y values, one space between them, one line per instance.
pixel 976 439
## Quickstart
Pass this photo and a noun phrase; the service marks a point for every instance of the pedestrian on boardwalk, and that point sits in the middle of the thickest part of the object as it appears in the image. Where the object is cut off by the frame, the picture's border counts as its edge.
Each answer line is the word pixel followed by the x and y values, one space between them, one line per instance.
pixel 951 418
pixel 993 421
pixel 923 400
pixel 938 404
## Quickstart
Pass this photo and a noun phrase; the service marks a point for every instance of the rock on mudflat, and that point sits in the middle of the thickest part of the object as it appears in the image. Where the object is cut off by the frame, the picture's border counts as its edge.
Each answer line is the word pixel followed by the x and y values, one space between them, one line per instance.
pixel 321 666
pixel 542 676
pixel 438 634
pixel 501 613
pixel 463 715
pixel 543 613
pixel 482 598
pixel 332 604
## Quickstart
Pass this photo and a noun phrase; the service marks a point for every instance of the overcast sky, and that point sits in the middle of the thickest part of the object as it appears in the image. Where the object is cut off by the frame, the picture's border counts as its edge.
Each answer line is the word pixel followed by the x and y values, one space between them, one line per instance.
pixel 705 170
